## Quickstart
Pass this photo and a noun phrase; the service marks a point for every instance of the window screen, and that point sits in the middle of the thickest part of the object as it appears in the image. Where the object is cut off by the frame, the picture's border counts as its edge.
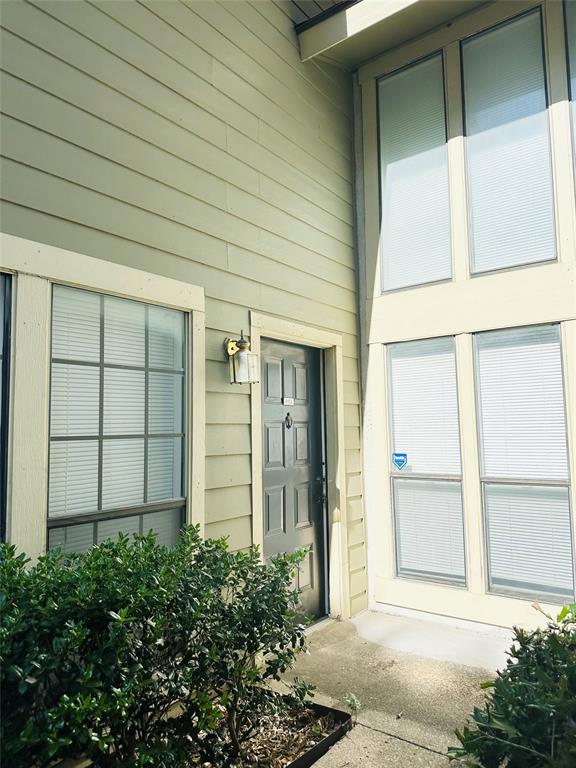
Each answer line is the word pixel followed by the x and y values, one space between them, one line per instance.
pixel 415 227
pixel 524 461
pixel 427 492
pixel 508 146
pixel 116 419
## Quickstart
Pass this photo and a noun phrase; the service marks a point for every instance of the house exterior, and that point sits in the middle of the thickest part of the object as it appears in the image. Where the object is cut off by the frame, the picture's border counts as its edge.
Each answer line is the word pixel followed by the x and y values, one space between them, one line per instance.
pixel 382 201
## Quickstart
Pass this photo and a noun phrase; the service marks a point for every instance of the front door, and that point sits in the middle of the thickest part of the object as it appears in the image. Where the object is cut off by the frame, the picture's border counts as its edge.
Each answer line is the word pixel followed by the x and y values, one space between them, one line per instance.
pixel 292 471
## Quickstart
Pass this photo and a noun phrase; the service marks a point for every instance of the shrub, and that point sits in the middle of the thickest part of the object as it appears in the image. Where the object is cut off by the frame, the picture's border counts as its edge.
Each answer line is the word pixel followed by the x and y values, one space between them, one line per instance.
pixel 529 719
pixel 128 652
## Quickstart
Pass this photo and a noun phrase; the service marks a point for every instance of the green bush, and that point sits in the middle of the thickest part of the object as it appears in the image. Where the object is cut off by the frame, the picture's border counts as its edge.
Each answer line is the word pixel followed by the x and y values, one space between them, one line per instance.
pixel 529 719
pixel 132 651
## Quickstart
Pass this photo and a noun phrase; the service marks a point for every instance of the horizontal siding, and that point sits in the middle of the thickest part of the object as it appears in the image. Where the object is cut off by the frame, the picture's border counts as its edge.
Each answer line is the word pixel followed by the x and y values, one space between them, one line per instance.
pixel 188 139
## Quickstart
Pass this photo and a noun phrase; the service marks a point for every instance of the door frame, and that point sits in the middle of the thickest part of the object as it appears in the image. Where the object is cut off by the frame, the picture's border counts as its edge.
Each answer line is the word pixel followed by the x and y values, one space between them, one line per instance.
pixel 269 327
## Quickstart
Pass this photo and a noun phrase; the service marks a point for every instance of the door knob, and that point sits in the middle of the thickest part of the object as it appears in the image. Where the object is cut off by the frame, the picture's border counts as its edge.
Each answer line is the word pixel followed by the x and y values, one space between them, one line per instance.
pixel 288 421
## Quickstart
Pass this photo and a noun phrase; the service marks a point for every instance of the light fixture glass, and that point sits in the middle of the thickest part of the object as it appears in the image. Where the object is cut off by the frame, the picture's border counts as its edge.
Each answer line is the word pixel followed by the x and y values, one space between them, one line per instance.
pixel 244 365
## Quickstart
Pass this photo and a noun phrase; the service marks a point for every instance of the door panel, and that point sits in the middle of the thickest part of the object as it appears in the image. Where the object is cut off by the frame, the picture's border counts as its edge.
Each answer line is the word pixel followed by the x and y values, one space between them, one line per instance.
pixel 293 486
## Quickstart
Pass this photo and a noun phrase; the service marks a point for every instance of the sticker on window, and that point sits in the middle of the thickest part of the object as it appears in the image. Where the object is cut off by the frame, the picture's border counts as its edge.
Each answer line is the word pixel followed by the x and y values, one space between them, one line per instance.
pixel 399 460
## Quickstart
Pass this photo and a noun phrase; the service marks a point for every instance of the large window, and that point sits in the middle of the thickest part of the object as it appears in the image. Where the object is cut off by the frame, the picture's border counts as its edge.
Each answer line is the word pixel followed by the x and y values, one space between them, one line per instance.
pixel 427 491
pixel 116 419
pixel 415 223
pixel 511 205
pixel 5 323
pixel 524 462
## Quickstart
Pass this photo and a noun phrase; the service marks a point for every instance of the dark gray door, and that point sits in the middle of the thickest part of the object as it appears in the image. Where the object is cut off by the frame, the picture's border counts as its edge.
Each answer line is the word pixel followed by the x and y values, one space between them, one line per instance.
pixel 293 492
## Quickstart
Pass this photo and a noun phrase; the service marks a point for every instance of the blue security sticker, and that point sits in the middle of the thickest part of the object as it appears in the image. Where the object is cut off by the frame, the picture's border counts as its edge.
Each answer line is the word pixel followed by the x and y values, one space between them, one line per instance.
pixel 399 460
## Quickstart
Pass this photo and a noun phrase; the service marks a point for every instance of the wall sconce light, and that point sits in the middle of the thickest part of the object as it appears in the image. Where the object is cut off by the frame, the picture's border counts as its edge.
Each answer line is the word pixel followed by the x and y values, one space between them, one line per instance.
pixel 244 365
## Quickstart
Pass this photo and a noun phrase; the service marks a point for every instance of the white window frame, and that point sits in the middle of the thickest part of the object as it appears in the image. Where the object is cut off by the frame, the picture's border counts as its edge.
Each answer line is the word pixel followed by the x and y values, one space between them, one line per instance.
pixel 395 474
pixel 448 40
pixel 36 267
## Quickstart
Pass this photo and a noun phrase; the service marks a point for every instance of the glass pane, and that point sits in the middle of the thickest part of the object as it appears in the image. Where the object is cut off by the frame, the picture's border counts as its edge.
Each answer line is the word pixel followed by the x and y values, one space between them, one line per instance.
pixel 123 402
pixel 508 147
pixel 529 540
pixel 74 401
pixel 110 529
pixel 75 324
pixel 73 486
pixel 72 538
pixel 165 338
pixel 165 402
pixel 124 331
pixel 166 525
pixel 122 473
pixel 521 404
pixel 164 468
pixel 429 529
pixel 415 230
pixel 424 406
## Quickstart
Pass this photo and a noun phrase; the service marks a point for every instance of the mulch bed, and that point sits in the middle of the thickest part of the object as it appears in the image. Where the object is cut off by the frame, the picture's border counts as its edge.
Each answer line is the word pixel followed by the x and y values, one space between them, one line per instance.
pixel 280 738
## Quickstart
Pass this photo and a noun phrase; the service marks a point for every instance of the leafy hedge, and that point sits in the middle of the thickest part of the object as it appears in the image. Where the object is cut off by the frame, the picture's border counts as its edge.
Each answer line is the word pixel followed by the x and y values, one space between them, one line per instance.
pixel 133 653
pixel 529 719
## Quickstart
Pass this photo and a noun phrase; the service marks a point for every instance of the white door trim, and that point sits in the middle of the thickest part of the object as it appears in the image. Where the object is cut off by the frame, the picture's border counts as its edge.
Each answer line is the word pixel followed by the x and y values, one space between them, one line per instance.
pixel 265 326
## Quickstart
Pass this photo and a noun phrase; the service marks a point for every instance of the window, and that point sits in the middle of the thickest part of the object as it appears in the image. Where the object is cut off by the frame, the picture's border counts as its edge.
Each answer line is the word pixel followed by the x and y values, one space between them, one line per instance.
pixel 570 8
pixel 5 322
pixel 524 462
pixel 116 419
pixel 427 493
pixel 415 206
pixel 511 204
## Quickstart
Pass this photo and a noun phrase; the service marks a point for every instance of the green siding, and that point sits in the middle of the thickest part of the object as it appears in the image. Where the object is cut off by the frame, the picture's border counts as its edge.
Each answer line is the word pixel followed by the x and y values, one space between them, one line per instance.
pixel 187 139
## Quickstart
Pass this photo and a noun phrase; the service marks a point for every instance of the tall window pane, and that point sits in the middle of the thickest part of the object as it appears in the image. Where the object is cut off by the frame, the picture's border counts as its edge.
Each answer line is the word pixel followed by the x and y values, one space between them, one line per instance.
pixel 415 226
pixel 524 462
pixel 427 493
pixel 116 419
pixel 508 146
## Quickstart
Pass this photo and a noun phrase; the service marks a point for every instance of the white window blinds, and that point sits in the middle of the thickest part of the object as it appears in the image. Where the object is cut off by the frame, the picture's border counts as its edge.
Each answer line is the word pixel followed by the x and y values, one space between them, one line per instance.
pixel 529 541
pixel 508 146
pixel 415 230
pixel 424 405
pixel 116 417
pixel 523 439
pixel 429 529
pixel 521 402
pixel 424 425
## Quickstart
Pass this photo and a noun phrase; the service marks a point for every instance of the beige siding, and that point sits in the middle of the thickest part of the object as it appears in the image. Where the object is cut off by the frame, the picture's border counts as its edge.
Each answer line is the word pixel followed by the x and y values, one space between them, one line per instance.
pixel 187 139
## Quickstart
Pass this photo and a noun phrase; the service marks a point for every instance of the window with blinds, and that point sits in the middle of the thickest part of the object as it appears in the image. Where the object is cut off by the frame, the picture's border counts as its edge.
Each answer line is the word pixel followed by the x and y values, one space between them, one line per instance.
pixel 427 492
pixel 415 224
pixel 570 12
pixel 511 202
pixel 524 462
pixel 5 323
pixel 116 419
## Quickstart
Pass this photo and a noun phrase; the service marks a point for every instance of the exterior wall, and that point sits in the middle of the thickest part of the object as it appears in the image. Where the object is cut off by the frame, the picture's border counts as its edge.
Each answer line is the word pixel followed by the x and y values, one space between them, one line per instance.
pixel 187 139
pixel 460 307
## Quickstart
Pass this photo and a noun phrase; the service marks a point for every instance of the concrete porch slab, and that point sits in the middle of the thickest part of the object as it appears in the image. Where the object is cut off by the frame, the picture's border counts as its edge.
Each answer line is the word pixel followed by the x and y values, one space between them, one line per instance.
pixel 412 702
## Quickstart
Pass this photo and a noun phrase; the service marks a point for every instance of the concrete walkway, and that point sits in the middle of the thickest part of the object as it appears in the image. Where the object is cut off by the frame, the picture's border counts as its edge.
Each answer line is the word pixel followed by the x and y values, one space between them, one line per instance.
pixel 417 680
